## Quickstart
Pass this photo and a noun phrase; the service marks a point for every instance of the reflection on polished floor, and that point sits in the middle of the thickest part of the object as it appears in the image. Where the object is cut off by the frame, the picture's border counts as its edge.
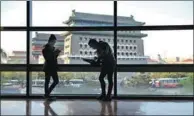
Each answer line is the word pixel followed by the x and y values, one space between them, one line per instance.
pixel 94 107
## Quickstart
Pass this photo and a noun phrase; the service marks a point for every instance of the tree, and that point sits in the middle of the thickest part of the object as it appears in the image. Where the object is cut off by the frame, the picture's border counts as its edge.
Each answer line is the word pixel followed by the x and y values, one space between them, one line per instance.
pixel 20 76
pixel 34 75
pixel 3 54
pixel 13 75
pixel 168 75
pixel 8 75
pixel 86 75
pixel 66 76
pixel 187 83
pixel 155 75
pixel 41 75
pixel 190 75
pixel 139 80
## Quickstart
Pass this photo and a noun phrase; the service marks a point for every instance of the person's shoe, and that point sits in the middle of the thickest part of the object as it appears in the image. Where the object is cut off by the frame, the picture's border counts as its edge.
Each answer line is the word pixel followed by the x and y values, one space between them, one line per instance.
pixel 101 97
pixel 52 99
pixel 107 98
pixel 46 96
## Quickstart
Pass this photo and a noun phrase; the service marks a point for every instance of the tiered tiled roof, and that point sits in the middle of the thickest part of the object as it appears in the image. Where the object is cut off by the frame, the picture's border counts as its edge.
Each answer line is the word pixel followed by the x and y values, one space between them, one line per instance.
pixel 187 60
pixel 128 21
pixel 45 37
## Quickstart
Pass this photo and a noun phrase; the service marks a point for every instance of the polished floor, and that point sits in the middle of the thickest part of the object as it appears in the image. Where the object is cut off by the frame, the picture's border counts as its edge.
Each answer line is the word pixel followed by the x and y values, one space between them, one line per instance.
pixel 94 107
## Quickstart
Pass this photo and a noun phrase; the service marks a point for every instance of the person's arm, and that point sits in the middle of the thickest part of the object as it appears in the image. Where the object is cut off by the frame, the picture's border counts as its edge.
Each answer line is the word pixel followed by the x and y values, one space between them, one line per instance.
pixel 48 54
pixel 98 59
pixel 57 52
pixel 106 49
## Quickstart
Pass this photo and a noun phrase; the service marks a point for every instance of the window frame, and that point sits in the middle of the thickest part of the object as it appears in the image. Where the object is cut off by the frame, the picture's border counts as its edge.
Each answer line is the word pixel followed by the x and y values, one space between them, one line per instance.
pixel 87 68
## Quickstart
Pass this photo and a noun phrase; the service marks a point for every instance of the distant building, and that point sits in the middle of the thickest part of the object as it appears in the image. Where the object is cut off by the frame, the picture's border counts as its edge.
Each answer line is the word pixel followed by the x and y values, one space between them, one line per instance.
pixel 130 45
pixel 40 40
pixel 17 57
pixel 152 61
pixel 187 61
pixel 179 60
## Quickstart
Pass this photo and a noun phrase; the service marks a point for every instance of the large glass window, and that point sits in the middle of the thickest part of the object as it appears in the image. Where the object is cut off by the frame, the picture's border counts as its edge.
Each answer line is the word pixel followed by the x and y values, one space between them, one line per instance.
pixel 13 83
pixel 155 83
pixel 156 47
pixel 70 50
pixel 72 13
pixel 39 39
pixel 133 47
pixel 13 44
pixel 155 13
pixel 13 13
pixel 69 83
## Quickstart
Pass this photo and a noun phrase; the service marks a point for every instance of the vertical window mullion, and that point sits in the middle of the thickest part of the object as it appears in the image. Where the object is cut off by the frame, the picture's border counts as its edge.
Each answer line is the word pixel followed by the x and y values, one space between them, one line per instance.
pixel 115 47
pixel 27 48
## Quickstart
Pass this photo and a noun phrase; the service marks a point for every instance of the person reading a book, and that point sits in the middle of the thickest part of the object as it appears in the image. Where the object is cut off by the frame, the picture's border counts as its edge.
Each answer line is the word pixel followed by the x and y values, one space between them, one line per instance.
pixel 50 66
pixel 106 60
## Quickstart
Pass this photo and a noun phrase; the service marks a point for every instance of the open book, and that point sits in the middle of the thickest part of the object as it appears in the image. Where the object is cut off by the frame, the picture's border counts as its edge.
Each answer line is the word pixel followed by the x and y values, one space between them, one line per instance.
pixel 91 61
pixel 88 60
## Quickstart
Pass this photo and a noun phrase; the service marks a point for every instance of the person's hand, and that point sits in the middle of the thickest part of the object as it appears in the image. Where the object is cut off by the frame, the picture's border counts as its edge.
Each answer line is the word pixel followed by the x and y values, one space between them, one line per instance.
pixel 87 60
pixel 95 58
pixel 95 63
pixel 57 51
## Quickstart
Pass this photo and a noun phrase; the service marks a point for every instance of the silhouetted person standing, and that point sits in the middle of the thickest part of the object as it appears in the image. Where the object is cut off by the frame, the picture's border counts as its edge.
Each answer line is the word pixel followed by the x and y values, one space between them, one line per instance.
pixel 50 66
pixel 106 59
